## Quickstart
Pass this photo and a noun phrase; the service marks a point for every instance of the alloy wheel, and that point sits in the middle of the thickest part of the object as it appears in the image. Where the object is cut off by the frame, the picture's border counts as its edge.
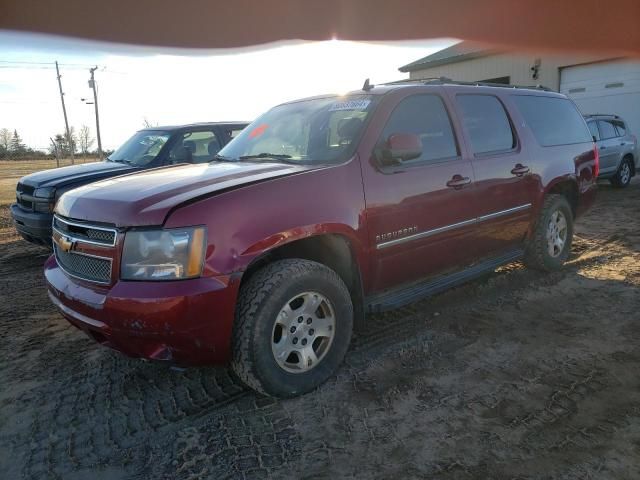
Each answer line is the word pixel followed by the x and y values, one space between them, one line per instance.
pixel 556 233
pixel 303 332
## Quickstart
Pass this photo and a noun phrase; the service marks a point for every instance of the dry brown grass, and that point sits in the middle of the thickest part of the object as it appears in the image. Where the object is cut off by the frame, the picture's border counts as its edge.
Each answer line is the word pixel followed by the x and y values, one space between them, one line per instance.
pixel 12 170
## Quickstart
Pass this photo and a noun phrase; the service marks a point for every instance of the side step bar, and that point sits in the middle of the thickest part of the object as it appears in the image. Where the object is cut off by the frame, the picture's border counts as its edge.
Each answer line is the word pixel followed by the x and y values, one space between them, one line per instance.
pixel 399 297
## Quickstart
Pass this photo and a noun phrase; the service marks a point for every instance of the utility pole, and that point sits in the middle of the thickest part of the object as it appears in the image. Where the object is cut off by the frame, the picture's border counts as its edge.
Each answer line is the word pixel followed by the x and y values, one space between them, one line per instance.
pixel 92 84
pixel 64 111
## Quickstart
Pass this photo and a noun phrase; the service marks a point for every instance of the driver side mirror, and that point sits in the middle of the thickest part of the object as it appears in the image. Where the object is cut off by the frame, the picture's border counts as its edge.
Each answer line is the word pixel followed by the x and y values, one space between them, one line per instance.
pixel 400 147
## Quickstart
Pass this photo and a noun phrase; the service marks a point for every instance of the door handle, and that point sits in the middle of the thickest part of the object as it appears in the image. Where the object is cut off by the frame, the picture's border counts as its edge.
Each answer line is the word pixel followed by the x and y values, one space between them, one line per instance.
pixel 602 147
pixel 458 181
pixel 520 170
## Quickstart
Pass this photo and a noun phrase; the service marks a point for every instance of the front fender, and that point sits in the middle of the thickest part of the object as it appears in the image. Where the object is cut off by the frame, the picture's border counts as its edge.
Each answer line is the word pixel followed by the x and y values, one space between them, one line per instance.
pixel 247 222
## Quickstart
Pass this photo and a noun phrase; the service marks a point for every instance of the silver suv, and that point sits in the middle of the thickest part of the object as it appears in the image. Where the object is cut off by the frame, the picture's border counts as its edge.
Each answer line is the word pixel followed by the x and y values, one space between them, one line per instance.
pixel 619 159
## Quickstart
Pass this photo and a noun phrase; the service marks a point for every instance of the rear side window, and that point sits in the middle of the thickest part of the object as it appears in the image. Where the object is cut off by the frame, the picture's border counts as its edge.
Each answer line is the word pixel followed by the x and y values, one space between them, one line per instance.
pixel 553 121
pixel 593 128
pixel 427 117
pixel 607 130
pixel 487 124
pixel 620 127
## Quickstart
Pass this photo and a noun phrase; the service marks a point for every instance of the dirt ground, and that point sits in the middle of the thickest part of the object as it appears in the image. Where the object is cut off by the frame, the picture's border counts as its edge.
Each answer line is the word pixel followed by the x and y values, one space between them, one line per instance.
pixel 519 375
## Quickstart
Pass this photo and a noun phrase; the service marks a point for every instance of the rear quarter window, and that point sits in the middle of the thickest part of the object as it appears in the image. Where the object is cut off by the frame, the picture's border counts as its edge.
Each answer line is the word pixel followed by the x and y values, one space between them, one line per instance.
pixel 553 120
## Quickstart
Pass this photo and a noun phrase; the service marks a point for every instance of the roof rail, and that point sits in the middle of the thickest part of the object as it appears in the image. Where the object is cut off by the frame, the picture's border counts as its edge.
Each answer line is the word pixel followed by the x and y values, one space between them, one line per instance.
pixel 601 115
pixel 448 81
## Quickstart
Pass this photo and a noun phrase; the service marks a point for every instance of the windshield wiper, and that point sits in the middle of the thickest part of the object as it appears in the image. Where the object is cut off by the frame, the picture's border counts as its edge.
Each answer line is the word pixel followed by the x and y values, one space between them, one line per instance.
pixel 120 160
pixel 222 158
pixel 281 157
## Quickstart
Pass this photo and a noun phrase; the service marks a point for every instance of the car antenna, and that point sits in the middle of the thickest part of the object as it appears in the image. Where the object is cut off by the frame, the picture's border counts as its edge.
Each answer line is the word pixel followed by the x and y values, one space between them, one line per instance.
pixel 367 86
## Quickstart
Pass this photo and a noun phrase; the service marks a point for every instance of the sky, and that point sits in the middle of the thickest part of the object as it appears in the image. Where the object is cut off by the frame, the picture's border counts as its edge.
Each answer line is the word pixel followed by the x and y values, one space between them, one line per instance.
pixel 169 86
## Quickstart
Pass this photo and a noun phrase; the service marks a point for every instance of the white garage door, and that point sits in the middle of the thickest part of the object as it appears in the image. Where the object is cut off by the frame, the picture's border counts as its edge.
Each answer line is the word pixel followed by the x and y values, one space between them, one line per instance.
pixel 605 87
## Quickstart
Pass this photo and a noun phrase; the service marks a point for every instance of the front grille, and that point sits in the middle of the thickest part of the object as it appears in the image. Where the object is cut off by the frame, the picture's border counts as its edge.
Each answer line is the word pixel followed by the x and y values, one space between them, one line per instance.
pixel 103 236
pixel 100 235
pixel 26 189
pixel 82 266
pixel 25 203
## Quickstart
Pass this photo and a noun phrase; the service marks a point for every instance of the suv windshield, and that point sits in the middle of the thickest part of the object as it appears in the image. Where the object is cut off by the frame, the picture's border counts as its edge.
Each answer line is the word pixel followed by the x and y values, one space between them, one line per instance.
pixel 141 149
pixel 322 130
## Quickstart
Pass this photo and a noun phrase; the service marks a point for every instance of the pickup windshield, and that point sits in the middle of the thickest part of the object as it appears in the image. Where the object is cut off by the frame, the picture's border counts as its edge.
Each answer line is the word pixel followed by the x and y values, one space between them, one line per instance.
pixel 141 149
pixel 317 131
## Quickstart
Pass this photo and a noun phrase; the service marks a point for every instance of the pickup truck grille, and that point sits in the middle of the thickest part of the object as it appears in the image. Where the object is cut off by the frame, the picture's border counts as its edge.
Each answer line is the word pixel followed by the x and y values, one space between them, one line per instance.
pixel 26 191
pixel 26 204
pixel 87 233
pixel 83 266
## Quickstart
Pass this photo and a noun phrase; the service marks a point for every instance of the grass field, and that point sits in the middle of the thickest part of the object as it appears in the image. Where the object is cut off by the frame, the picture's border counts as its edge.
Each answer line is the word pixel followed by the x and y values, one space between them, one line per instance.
pixel 13 170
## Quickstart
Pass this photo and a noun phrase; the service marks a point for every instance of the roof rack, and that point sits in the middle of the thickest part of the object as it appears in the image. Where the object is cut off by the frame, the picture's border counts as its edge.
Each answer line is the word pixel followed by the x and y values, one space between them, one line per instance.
pixel 448 81
pixel 601 115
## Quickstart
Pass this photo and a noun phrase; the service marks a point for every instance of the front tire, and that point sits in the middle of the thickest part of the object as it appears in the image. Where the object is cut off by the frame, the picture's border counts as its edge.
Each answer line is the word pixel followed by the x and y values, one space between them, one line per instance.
pixel 550 244
pixel 622 177
pixel 292 329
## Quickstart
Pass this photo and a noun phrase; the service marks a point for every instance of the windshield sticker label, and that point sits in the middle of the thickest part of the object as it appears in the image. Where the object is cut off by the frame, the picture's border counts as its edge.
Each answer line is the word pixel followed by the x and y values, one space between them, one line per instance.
pixel 351 105
pixel 259 130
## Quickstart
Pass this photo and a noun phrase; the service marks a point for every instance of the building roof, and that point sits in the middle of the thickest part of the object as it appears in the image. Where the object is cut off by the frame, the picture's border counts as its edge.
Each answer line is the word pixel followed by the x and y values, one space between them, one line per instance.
pixel 455 53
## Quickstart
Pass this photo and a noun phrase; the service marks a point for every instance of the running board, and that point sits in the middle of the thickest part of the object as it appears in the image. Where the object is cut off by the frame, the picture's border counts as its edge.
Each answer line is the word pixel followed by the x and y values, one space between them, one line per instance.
pixel 402 296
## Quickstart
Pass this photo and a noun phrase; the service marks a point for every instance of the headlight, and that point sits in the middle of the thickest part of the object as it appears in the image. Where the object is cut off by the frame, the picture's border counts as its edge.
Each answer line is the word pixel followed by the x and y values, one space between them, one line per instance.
pixel 45 192
pixel 163 254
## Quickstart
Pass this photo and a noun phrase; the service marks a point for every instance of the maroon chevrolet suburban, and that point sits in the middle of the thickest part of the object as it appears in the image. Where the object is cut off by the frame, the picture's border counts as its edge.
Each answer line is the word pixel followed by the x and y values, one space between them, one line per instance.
pixel 321 211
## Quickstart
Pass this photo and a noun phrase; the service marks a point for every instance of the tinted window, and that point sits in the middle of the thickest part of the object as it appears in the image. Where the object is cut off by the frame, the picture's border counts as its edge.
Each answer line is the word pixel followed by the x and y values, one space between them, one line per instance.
pixel 233 133
pixel 593 128
pixel 320 130
pixel 141 149
pixel 486 122
pixel 427 117
pixel 553 121
pixel 620 127
pixel 607 130
pixel 194 147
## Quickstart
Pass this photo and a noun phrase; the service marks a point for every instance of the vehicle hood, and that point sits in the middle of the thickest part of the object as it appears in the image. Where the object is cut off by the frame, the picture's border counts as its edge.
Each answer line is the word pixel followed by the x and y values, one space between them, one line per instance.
pixel 83 173
pixel 146 198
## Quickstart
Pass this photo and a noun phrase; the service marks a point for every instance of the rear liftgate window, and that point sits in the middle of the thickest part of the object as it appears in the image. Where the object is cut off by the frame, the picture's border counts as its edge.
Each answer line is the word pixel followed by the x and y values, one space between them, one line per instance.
pixel 553 121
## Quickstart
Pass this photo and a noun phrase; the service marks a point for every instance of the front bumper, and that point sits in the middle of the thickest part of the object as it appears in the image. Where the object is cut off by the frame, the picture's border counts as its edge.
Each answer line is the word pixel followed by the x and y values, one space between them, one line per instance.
pixel 33 226
pixel 187 322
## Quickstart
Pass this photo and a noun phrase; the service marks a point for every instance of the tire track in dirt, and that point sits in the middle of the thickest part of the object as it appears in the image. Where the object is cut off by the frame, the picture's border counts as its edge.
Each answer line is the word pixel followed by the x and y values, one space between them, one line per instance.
pixel 520 375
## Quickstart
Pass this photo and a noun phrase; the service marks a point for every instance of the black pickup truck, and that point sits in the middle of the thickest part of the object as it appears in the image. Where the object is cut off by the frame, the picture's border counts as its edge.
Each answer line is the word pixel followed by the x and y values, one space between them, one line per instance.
pixel 36 194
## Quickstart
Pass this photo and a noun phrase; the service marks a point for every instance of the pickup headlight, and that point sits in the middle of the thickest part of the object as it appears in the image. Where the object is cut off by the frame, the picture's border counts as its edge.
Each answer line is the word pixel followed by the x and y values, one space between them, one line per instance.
pixel 45 192
pixel 161 254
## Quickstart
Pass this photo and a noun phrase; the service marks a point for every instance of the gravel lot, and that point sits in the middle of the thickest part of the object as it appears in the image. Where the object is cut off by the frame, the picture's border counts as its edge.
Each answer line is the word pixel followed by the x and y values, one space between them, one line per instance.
pixel 519 375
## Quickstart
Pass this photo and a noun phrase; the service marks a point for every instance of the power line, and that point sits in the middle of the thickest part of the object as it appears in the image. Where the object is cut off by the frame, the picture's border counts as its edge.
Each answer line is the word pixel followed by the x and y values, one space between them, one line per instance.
pixel 21 62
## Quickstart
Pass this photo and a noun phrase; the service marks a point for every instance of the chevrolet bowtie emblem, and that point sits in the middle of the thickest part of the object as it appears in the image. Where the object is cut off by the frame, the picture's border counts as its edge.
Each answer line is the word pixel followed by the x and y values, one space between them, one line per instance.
pixel 65 243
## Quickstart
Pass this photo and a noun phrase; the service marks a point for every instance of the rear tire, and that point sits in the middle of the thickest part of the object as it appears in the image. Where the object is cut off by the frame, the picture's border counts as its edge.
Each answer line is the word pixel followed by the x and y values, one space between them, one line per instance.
pixel 289 301
pixel 550 244
pixel 622 178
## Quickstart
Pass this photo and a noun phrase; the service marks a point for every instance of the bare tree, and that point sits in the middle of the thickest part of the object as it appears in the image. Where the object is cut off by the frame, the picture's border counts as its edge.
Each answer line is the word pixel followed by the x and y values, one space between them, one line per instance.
pixel 5 138
pixel 85 140
pixel 148 123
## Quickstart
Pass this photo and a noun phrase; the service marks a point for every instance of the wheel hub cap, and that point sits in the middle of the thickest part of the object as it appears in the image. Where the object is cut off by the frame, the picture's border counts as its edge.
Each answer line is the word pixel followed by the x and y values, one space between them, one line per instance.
pixel 556 233
pixel 303 332
pixel 625 173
